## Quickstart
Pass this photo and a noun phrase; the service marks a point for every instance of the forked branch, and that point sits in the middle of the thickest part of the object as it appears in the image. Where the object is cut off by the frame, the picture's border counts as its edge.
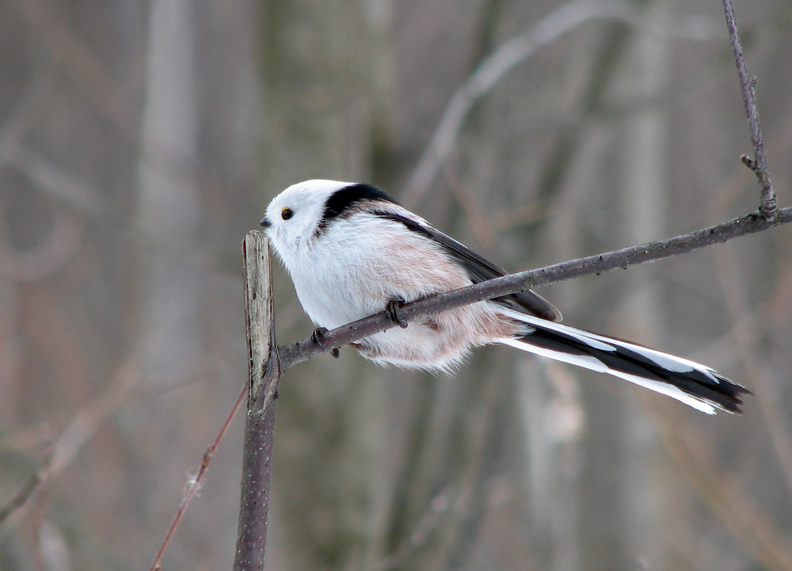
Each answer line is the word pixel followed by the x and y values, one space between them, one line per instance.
pixel 758 164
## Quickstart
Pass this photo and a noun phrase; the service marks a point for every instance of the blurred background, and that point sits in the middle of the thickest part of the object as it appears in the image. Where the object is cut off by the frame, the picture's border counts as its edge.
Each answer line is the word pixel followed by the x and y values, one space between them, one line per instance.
pixel 141 140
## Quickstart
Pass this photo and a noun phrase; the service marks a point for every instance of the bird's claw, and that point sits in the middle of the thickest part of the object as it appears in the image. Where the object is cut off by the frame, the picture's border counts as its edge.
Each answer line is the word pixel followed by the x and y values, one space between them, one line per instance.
pixel 318 336
pixel 392 309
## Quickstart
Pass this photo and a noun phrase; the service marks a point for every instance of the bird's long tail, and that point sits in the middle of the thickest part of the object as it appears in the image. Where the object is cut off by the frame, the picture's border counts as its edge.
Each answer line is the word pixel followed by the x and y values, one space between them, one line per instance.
pixel 692 383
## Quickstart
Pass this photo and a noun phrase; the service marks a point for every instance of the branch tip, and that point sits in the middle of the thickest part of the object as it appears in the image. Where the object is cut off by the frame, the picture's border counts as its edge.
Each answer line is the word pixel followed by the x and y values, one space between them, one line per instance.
pixel 749 162
pixel 759 165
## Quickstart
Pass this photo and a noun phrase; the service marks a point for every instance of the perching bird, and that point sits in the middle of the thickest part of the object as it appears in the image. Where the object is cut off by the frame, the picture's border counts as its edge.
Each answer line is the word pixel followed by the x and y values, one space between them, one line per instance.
pixel 353 251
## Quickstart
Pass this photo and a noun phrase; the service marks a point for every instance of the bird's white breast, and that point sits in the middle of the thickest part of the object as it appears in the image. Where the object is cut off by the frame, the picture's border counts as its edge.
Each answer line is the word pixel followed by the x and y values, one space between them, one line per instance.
pixel 358 264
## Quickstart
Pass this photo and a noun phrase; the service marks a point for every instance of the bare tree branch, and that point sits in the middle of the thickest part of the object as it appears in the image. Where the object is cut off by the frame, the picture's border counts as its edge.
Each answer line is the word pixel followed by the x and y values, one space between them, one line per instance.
pixel 300 351
pixel 758 164
pixel 264 376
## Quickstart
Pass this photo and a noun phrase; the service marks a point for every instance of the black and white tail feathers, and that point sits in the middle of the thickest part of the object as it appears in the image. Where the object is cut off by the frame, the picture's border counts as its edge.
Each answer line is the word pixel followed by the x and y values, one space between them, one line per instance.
pixel 691 383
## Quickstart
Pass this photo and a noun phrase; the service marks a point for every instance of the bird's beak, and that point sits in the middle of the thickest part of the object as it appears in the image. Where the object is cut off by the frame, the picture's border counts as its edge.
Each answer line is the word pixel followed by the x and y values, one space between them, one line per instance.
pixel 265 223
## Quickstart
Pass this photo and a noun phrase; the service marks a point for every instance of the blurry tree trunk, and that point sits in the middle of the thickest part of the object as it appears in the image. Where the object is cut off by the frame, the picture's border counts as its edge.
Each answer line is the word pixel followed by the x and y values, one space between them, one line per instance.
pixel 168 210
pixel 168 283
pixel 629 158
pixel 579 489
pixel 615 181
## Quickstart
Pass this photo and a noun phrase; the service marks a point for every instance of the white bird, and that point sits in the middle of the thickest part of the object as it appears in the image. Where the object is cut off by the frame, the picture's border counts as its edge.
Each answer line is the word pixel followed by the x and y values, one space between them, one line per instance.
pixel 353 251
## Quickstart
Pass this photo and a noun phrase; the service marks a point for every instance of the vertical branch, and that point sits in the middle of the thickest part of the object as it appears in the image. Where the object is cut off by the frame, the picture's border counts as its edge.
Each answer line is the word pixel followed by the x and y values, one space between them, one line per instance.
pixel 264 375
pixel 748 85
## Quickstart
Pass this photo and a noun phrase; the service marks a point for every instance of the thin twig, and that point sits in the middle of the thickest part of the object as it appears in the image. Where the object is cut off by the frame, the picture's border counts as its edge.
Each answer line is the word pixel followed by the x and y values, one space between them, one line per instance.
pixel 266 368
pixel 758 164
pixel 300 351
pixel 194 484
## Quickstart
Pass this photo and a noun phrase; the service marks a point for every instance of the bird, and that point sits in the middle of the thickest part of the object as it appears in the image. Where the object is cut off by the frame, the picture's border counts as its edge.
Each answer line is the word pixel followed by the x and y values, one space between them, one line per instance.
pixel 352 250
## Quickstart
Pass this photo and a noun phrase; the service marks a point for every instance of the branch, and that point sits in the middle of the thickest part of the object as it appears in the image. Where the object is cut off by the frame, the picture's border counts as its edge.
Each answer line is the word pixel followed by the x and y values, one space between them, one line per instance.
pixel 300 351
pixel 748 84
pixel 264 376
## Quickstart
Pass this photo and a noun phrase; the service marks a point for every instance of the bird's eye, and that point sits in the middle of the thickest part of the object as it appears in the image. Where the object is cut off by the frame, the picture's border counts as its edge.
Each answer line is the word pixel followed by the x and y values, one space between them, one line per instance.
pixel 287 213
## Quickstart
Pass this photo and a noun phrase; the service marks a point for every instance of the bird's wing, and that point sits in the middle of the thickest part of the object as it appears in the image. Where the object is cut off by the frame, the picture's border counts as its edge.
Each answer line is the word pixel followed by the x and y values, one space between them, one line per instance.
pixel 478 268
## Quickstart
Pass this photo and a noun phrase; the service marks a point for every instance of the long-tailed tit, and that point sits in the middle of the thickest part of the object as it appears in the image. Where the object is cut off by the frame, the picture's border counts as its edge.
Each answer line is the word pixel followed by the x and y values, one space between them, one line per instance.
pixel 353 251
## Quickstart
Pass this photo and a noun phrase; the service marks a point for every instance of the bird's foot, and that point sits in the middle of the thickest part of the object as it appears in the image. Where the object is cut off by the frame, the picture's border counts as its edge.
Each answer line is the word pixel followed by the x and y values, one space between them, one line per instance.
pixel 392 310
pixel 318 338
